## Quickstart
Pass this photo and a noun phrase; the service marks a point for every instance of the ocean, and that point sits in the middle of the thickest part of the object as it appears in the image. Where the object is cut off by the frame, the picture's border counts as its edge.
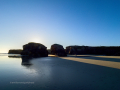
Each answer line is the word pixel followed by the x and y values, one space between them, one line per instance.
pixel 56 73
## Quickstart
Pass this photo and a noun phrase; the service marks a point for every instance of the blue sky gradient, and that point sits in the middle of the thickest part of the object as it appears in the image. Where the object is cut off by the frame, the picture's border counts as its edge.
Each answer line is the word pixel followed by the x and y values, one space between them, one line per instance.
pixel 66 22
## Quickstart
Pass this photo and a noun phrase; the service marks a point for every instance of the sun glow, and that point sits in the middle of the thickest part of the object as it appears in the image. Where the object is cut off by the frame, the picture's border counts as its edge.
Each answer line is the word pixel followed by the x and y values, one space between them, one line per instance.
pixel 36 40
pixel 4 50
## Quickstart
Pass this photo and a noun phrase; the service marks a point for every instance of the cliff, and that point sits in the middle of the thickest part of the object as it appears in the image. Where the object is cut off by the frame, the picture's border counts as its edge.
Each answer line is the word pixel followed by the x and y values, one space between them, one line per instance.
pixel 35 50
pixel 98 50
pixel 15 51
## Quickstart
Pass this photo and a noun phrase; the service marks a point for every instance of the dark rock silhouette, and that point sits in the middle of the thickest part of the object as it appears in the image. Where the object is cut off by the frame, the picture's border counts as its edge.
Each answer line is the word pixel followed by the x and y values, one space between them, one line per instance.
pixel 57 49
pixel 49 51
pixel 14 56
pixel 117 54
pixel 15 51
pixel 98 50
pixel 35 50
pixel 75 49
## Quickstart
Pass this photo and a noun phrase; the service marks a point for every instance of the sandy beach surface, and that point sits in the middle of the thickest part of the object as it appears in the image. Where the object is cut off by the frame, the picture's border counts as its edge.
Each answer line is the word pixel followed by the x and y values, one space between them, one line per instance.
pixel 81 72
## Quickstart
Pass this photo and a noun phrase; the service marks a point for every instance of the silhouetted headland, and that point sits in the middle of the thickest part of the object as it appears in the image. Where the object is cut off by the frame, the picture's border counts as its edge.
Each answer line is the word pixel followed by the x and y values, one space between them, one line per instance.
pixel 14 56
pixel 15 51
pixel 49 51
pixel 40 50
pixel 35 50
pixel 57 49
pixel 99 50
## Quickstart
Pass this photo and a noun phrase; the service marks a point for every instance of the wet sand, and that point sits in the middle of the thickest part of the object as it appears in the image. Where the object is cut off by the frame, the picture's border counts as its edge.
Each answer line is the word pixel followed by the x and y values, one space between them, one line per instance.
pixel 92 60
pixel 84 72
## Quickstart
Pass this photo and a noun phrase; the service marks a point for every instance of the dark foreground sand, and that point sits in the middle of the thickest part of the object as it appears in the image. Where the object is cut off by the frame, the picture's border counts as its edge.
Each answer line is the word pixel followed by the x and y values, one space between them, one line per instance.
pixel 84 72
pixel 95 72
pixel 107 61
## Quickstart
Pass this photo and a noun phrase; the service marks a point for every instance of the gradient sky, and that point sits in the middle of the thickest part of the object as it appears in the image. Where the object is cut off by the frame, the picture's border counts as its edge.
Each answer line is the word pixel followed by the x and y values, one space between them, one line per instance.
pixel 66 22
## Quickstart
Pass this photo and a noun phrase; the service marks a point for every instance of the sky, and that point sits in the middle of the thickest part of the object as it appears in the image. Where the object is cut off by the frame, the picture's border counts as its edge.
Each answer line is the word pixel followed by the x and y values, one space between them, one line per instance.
pixel 65 22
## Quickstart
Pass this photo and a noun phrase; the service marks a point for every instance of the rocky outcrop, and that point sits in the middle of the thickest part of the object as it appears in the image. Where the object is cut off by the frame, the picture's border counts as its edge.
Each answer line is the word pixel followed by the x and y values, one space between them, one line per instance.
pixel 98 50
pixel 57 49
pixel 15 51
pixel 35 50
pixel 14 56
pixel 75 49
pixel 49 51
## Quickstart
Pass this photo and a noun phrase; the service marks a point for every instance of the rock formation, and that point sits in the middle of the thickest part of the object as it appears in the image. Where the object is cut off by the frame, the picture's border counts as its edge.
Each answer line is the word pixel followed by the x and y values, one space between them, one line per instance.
pixel 14 51
pixel 75 49
pixel 35 50
pixel 57 49
pixel 98 50
pixel 49 51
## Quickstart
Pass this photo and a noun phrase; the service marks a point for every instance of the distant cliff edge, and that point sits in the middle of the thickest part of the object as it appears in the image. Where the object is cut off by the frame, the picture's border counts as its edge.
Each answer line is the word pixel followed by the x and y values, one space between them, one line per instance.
pixel 96 50
pixel 15 51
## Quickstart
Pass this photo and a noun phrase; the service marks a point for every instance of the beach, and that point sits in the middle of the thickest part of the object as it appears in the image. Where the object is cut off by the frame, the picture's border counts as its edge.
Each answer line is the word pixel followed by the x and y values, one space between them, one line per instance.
pixel 81 72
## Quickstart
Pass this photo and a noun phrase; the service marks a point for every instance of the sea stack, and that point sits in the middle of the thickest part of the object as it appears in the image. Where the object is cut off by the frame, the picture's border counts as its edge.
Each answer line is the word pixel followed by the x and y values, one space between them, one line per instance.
pixel 35 50
pixel 57 49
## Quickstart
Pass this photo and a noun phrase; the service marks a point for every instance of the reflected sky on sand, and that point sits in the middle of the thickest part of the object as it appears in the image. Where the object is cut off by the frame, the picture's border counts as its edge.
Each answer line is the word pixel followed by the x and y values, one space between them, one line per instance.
pixel 55 73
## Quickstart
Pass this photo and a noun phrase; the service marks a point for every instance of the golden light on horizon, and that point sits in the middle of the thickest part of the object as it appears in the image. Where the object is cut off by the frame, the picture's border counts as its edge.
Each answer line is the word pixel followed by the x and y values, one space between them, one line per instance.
pixel 3 51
